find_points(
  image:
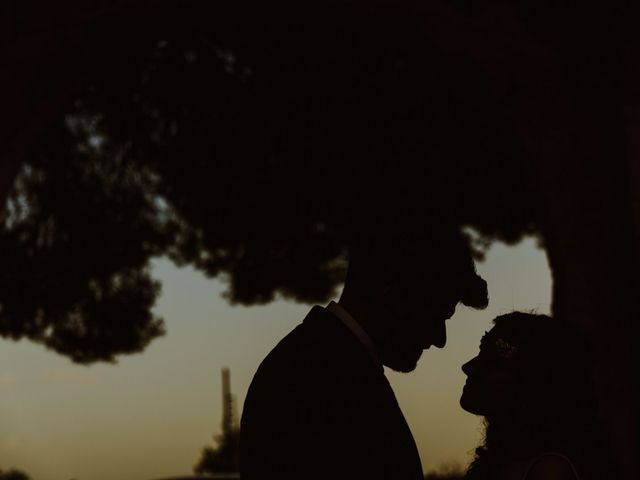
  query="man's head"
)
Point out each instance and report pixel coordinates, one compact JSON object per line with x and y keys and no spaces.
{"x":402,"y":286}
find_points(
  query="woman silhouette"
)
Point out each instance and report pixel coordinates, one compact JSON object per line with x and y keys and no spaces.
{"x":531,"y":382}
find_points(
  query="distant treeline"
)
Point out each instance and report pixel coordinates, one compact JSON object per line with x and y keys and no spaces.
{"x":446,"y":472}
{"x":13,"y":475}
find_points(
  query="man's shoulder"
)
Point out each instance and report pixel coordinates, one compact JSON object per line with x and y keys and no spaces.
{"x":308,"y":345}
{"x":318,"y":352}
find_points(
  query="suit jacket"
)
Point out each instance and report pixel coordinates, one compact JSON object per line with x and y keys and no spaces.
{"x":319,"y":408}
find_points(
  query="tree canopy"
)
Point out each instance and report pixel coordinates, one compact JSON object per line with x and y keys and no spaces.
{"x":253,"y":151}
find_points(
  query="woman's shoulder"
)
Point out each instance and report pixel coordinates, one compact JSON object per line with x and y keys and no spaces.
{"x":551,"y":466}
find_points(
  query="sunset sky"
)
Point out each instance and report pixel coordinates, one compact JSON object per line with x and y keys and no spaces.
{"x":149,"y":415}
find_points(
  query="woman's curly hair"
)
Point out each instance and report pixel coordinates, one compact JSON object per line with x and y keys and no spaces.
{"x":554,"y":408}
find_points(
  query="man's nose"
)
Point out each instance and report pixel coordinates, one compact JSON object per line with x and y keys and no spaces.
{"x":439,"y":339}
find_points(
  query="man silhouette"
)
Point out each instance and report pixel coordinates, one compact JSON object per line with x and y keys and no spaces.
{"x":320,"y":406}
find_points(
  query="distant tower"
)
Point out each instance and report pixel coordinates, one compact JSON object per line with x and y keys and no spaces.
{"x":228,"y":404}
{"x":224,"y":457}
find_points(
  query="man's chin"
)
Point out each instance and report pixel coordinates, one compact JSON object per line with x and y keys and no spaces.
{"x":404,"y":365}
{"x":402,"y":360}
{"x":403,"y":368}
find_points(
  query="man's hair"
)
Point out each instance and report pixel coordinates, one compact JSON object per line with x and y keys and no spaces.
{"x":420,"y":261}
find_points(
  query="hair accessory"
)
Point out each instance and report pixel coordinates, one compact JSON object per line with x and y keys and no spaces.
{"x":505,"y":349}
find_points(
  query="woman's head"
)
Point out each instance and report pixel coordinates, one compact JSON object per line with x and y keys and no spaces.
{"x":530,"y":365}
{"x":490,"y":388}
{"x":532,"y":383}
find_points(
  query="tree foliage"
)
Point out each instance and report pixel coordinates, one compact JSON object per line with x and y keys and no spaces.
{"x":252,"y":149}
{"x":223,"y":458}
{"x":13,"y":475}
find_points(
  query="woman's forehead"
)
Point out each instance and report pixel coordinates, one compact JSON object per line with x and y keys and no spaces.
{"x":489,"y":338}
{"x":494,"y":336}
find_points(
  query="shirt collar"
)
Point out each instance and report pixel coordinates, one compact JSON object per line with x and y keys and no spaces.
{"x":353,"y":325}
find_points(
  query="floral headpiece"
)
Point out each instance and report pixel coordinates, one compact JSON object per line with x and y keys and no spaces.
{"x":505,"y":349}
